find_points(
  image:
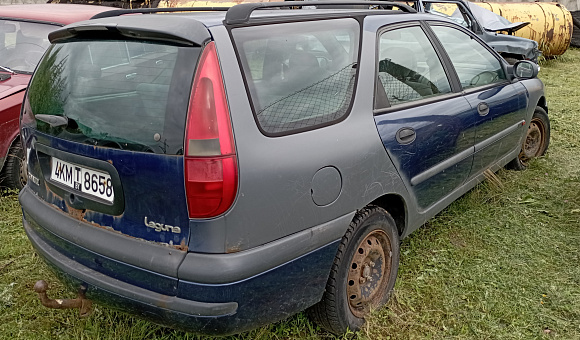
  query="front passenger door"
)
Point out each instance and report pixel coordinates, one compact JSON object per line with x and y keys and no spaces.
{"x":424,"y":122}
{"x":498,"y":106}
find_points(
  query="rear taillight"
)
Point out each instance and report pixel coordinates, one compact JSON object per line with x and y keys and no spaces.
{"x":211,"y":170}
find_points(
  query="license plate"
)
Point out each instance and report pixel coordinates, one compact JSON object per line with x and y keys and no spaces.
{"x":92,"y":182}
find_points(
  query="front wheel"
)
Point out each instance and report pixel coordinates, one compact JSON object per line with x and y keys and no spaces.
{"x":363,"y":273}
{"x":536,"y":141}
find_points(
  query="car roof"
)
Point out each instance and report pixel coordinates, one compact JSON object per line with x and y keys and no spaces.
{"x":60,"y":14}
{"x":192,"y":26}
{"x":216,"y":18}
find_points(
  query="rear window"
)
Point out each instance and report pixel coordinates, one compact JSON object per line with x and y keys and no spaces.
{"x":129,"y":95}
{"x":299,"y":75}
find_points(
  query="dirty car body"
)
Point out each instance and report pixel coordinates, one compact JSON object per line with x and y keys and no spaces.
{"x":23,"y":39}
{"x":201,"y":169}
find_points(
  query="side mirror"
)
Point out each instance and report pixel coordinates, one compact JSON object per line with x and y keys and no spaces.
{"x":525,"y":69}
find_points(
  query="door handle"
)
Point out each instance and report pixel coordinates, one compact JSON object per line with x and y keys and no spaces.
{"x":406,"y":135}
{"x":483,"y":109}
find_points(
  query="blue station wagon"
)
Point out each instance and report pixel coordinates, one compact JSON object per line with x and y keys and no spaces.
{"x":217,"y":170}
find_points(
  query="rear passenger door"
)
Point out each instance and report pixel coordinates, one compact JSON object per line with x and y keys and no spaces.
{"x":497,"y":105}
{"x":425,"y":124}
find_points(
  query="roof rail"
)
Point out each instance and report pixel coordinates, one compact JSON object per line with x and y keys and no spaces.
{"x":240,"y":14}
{"x":117,"y":12}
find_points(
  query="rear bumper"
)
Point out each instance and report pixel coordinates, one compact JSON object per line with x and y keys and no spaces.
{"x":103,"y":285}
{"x":206,"y":308}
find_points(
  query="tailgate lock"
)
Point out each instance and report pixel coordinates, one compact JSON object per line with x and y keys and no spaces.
{"x":81,"y":302}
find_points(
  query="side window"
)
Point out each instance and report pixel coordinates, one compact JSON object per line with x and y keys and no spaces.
{"x":475,"y":65}
{"x":408,"y":69}
{"x":299,"y":75}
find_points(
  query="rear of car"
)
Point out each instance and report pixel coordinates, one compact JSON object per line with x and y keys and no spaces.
{"x":134,"y":171}
{"x":103,"y":124}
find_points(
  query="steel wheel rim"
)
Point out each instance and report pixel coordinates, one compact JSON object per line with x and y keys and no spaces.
{"x":534,"y":141}
{"x":22,"y":173}
{"x":369,"y":272}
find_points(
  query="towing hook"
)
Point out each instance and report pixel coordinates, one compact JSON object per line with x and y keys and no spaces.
{"x":81,"y":302}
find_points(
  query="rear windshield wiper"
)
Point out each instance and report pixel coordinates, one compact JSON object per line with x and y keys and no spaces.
{"x":53,"y":120}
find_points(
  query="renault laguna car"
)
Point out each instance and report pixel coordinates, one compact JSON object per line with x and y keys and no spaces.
{"x":23,"y":39}
{"x":217,"y":170}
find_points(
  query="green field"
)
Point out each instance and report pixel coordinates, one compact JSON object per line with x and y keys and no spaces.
{"x":500,"y":263}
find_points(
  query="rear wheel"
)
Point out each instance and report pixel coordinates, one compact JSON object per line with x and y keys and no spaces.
{"x":536,"y":141}
{"x":14,"y":172}
{"x":363,"y":273}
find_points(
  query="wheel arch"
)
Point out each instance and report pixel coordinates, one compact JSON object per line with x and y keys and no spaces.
{"x":8,"y":148}
{"x":543,"y":104}
{"x":15,"y":139}
{"x":395,"y":205}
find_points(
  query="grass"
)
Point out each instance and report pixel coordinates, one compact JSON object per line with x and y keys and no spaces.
{"x":500,"y":263}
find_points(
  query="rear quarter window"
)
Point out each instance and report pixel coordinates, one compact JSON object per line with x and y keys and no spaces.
{"x":299,"y":75}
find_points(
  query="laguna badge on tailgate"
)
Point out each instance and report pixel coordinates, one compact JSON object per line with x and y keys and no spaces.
{"x":162,"y":227}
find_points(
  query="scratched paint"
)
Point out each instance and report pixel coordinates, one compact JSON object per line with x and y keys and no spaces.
{"x":145,"y":200}
{"x":550,"y":23}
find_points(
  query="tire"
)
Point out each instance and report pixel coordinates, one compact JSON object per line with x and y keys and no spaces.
{"x":536,"y":141}
{"x":14,"y":172}
{"x":369,"y":255}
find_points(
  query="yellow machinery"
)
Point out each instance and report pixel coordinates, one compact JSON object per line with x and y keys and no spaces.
{"x":550,"y":23}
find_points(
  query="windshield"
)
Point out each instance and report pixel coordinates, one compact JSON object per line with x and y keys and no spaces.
{"x":22,"y":44}
{"x":129,"y":95}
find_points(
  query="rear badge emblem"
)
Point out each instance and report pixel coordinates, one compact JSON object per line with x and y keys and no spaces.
{"x":33,"y":179}
{"x":162,"y":227}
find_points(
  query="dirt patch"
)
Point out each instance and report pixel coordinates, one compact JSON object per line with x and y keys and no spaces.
{"x":457,"y":240}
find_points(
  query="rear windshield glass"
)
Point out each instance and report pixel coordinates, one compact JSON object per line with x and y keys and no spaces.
{"x":299,"y":75}
{"x":129,"y":95}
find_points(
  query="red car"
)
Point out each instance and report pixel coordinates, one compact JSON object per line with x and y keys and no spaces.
{"x":23,"y":39}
